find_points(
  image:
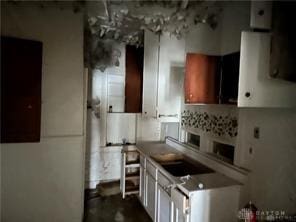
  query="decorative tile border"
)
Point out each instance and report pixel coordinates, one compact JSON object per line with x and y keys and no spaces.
{"x":217,"y":124}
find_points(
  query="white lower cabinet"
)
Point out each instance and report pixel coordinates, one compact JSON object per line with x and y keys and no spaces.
{"x":178,"y":216}
{"x":180,"y":204}
{"x":142,"y":195}
{"x":166,"y":202}
{"x":164,"y":205}
{"x":151,"y":194}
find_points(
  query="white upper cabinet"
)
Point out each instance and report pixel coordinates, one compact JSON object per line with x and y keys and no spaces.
{"x":164,"y":58}
{"x":171,"y":77}
{"x":261,"y":12}
{"x":256,"y":87}
{"x":150,"y":74}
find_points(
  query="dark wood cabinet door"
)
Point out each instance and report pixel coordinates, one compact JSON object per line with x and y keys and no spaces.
{"x":202,"y":79}
{"x":134,"y":79}
{"x":21,"y":68}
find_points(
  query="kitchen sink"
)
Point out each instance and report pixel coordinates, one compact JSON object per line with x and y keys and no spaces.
{"x":178,"y":165}
{"x":167,"y":157}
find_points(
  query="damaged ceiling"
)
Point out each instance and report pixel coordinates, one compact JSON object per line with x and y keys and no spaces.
{"x":125,"y":22}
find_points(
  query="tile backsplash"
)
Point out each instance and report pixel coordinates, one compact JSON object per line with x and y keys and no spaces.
{"x":217,"y":122}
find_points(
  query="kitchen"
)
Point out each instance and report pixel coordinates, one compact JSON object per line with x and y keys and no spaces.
{"x":191,"y":118}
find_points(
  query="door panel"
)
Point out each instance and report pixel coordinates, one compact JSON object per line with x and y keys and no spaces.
{"x":150,"y":74}
{"x":164,"y":206}
{"x":151,"y":196}
{"x":21,"y":72}
{"x":134,"y":79}
{"x":202,"y":79}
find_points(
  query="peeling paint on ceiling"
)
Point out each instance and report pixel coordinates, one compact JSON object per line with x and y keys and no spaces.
{"x":125,"y":22}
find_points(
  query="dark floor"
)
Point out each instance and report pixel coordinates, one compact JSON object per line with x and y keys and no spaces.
{"x":100,"y":207}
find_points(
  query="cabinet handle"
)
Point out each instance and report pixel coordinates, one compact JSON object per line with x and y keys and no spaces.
{"x":170,"y":115}
{"x":190,"y":95}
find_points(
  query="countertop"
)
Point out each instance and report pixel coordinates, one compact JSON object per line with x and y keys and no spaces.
{"x":195,"y":182}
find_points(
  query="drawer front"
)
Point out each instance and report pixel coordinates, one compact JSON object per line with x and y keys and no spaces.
{"x":151,"y":169}
{"x":163,"y":181}
{"x":142,"y":161}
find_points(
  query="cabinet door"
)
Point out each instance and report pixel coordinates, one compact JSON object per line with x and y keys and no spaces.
{"x":21,"y":72}
{"x":171,"y":77}
{"x":201,"y":79}
{"x":229,"y":78}
{"x":133,"y":79}
{"x":142,"y":186}
{"x":150,"y":74}
{"x":256,"y":88}
{"x":163,"y":205}
{"x":151,"y":196}
{"x":178,"y":216}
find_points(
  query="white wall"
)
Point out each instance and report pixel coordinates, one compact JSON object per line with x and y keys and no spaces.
{"x":44,"y":181}
{"x":201,"y":38}
{"x":235,"y":18}
{"x":272,"y":181}
{"x":225,"y":38}
{"x":103,"y":163}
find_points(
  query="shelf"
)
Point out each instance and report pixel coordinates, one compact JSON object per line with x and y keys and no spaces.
{"x":132,"y":192}
{"x":132,"y":177}
{"x":131,"y":187}
{"x":132,"y":165}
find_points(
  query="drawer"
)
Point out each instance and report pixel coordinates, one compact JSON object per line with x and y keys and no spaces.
{"x":142,"y":161}
{"x":163,"y":181}
{"x":151,"y":169}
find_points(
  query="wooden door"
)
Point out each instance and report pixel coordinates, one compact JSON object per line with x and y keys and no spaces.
{"x":21,"y":69}
{"x":201,"y":79}
{"x":134,"y":79}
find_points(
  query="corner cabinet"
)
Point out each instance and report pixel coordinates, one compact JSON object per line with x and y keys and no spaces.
{"x":256,"y":87}
{"x":202,"y":79}
{"x":164,"y":58}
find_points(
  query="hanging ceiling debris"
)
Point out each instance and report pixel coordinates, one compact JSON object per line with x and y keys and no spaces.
{"x":125,"y":22}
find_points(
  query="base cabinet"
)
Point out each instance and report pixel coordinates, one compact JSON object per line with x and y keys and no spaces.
{"x":178,"y":216}
{"x":165,"y":202}
{"x":151,"y":196}
{"x":142,"y":195}
{"x":164,"y":205}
